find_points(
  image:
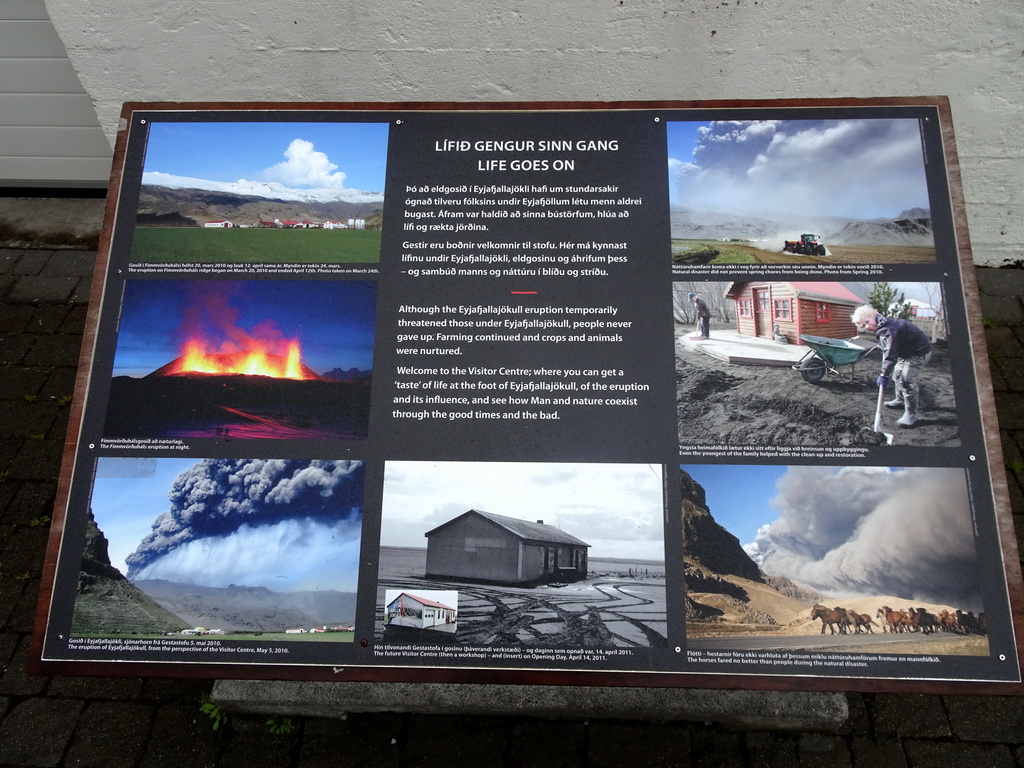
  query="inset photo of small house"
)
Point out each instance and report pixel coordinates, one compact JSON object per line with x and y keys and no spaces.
{"x":784,"y":363}
{"x":539,"y":554}
{"x":407,"y":614}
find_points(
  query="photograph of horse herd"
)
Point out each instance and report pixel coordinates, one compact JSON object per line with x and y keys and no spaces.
{"x":844,"y":621}
{"x":817,"y":559}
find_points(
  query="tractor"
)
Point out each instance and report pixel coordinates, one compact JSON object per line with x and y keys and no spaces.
{"x":808,"y":245}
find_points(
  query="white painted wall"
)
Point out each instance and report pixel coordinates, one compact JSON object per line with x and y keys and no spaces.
{"x":48,"y":130}
{"x":593,"y":50}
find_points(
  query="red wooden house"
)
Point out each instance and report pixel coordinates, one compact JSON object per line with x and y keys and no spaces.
{"x":813,"y":308}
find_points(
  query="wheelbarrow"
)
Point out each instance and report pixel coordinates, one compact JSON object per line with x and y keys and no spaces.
{"x":828,"y":356}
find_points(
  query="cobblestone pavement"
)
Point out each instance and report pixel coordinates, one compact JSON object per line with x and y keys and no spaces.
{"x":147,"y":723}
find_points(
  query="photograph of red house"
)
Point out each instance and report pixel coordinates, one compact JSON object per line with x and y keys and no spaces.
{"x":815,"y":308}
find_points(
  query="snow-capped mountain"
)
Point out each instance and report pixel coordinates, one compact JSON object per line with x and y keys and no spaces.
{"x":273,"y":190}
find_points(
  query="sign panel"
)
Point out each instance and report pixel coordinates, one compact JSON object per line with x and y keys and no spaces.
{"x":648,"y":394}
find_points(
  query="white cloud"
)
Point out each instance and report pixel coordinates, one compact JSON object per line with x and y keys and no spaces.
{"x":304,"y":166}
{"x":291,"y":555}
{"x":858,"y":169}
{"x":616,"y":508}
{"x":872,"y":531}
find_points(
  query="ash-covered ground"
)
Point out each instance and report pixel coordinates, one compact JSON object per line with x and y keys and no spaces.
{"x":619,"y":605}
{"x":720,"y":403}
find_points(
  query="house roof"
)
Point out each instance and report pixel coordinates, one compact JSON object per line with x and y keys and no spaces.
{"x":834,"y":292}
{"x":521,"y":529}
{"x":422,"y":601}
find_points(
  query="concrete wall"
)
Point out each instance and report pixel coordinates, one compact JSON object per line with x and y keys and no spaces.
{"x":471,"y":50}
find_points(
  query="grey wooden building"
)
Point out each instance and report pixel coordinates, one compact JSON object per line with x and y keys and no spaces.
{"x":481,"y":546}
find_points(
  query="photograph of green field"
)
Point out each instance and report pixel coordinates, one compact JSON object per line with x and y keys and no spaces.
{"x":178,"y":245}
{"x":324,"y":636}
{"x":696,"y":252}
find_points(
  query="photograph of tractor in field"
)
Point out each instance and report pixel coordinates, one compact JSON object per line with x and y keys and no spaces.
{"x":807,"y":245}
{"x":741,"y":192}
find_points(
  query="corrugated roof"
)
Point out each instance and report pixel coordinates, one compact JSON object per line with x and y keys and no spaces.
{"x":523,"y":529}
{"x":422,"y":601}
{"x":827,"y":290}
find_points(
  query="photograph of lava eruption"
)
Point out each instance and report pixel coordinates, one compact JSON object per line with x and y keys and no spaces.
{"x":243,"y":359}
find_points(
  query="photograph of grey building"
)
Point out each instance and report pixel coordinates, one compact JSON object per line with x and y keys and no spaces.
{"x":541,"y":554}
{"x":486,"y":547}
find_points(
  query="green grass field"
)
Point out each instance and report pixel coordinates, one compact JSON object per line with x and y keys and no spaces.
{"x":708,"y":252}
{"x":167,"y":245}
{"x":261,"y":637}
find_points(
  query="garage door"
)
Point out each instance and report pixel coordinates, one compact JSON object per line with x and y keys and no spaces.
{"x":49,"y":134}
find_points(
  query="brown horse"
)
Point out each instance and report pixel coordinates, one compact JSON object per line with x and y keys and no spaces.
{"x":861,"y":623}
{"x":830,"y":618}
{"x":896,"y":621}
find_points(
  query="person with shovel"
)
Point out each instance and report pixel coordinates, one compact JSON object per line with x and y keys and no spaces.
{"x":703,"y":317}
{"x":906,"y":349}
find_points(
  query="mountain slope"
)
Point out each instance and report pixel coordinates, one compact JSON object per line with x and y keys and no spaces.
{"x":107,"y":602}
{"x":176,"y":206}
{"x":257,"y":609}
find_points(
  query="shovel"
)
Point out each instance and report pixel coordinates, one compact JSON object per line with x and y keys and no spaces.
{"x":878,"y":416}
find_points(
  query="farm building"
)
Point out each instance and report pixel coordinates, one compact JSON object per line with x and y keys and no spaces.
{"x":813,"y":308}
{"x":919,"y":310}
{"x":485,"y":547}
{"x":418,"y":612}
{"x":219,"y":224}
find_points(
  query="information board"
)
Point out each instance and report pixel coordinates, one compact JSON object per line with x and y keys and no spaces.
{"x":641,"y":394}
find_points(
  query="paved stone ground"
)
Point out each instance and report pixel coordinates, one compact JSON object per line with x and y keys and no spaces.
{"x":146,"y":723}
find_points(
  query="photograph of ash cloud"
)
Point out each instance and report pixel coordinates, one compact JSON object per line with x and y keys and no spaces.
{"x":859,"y":559}
{"x":241,"y":548}
{"x":243,"y":359}
{"x":846,"y":191}
{"x":545,"y":555}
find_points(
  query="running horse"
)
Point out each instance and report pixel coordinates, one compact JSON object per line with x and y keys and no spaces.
{"x":830,"y":618}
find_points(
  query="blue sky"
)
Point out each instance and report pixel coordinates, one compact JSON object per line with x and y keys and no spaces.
{"x":333,"y":320}
{"x":127,"y":496}
{"x":739,"y":495}
{"x":232,"y":151}
{"x":860,"y":169}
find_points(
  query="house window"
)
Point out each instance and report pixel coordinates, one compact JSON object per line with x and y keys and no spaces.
{"x":821,"y":312}
{"x":762,"y":301}
{"x":783,"y":309}
{"x":746,"y":308}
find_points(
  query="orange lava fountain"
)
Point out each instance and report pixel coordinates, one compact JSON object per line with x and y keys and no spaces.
{"x":256,"y":361}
